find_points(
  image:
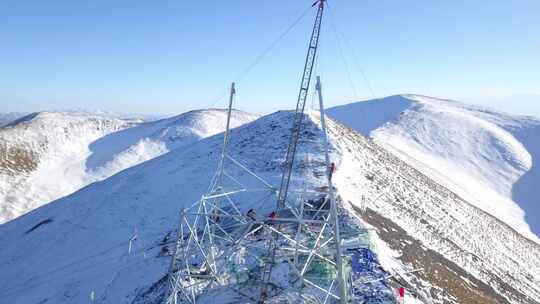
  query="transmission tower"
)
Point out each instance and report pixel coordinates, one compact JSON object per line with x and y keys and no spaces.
{"x":301,"y":104}
{"x":282,"y":206}
{"x":232,"y":250}
{"x":216,"y":247}
{"x":309,"y":226}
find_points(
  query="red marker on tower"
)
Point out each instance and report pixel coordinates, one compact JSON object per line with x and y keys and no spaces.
{"x":402,"y":295}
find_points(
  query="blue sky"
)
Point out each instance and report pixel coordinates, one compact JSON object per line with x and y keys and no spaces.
{"x":172,"y":56}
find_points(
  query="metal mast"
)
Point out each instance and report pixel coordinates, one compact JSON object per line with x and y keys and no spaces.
{"x":226,"y":137}
{"x":293,"y":142}
{"x":300,"y":105}
{"x":198,"y":261}
{"x":331,"y":194}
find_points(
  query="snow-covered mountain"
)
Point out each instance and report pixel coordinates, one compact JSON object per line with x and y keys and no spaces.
{"x":6,"y":118}
{"x":41,"y":157}
{"x":488,"y":158}
{"x":120,"y":150}
{"x":77,"y":247}
{"x":48,"y":155}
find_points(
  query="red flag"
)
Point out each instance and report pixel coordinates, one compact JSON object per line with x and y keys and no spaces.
{"x":402,"y":292}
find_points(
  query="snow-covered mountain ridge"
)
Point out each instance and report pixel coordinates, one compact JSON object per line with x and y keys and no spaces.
{"x":40,"y":157}
{"x":6,"y":118}
{"x":64,"y":251}
{"x":488,"y":158}
{"x":430,"y":227}
{"x":48,"y":155}
{"x":120,"y":150}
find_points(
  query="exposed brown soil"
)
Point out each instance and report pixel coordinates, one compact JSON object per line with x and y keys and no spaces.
{"x":17,"y":160}
{"x":452,"y":281}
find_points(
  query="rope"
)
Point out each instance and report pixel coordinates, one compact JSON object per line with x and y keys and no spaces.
{"x":242,"y":74}
{"x":272,"y":45}
{"x":352,"y":52}
{"x":343,"y":58}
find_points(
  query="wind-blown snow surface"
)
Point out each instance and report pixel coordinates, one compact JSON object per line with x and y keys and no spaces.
{"x":64,"y":251}
{"x":489,"y":158}
{"x":48,"y":155}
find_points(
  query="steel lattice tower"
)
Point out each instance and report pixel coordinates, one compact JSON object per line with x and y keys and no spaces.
{"x":293,"y":256}
{"x":301,"y":104}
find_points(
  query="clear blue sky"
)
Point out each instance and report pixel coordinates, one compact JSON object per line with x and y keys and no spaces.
{"x":172,"y":56}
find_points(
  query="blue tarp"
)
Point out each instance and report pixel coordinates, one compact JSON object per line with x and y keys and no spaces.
{"x":362,"y":260}
{"x":365,"y":267}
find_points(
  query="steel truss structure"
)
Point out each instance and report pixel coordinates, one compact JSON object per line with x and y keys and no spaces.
{"x":222,"y":248}
{"x":289,"y":255}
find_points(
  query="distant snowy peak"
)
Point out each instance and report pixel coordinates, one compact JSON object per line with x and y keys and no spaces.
{"x":114,"y":114}
{"x":130,"y":147}
{"x":485,"y":156}
{"x":43,"y":132}
{"x":204,"y":123}
{"x":57,"y":118}
{"x":6,"y":118}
